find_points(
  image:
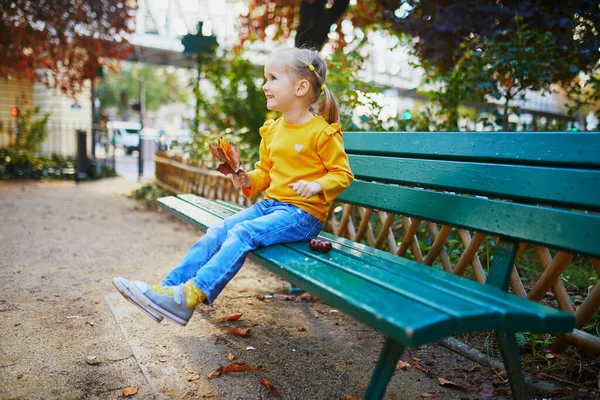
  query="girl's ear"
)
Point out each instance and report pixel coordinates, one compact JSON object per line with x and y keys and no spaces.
{"x":302,"y":87}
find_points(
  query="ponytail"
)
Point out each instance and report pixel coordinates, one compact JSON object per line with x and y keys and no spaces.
{"x":328,"y":107}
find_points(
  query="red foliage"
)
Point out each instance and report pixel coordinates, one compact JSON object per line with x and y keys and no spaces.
{"x":61,"y":43}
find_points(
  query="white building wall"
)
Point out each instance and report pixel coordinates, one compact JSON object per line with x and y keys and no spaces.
{"x":67,"y":115}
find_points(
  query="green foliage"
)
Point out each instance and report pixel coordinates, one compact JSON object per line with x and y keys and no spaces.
{"x":31,"y":133}
{"x":501,"y":67}
{"x":508,"y":64}
{"x":583,"y":93}
{"x":352,"y":92}
{"x":149,"y":194}
{"x":237,"y":108}
{"x":22,"y":164}
{"x":161,"y":86}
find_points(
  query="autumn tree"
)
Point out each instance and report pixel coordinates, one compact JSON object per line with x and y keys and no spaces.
{"x":60,"y":43}
{"x":441,"y":26}
{"x":309,"y":21}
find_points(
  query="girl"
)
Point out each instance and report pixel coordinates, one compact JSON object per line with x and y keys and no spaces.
{"x":302,"y":168}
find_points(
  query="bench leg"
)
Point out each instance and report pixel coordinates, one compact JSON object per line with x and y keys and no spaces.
{"x":512,"y":362}
{"x":388,"y":359}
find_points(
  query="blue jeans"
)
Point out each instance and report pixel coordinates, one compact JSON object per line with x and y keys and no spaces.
{"x":215,"y":259}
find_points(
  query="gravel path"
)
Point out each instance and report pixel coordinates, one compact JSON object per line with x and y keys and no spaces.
{"x":66,"y":334}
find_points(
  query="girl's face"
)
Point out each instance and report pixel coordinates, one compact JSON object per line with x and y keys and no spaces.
{"x":280,"y":87}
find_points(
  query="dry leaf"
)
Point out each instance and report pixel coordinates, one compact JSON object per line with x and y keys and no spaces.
{"x":130,"y":391}
{"x":267,"y":383}
{"x":216,"y":372}
{"x":402,"y":365}
{"x":350,"y":397}
{"x":193,"y":377}
{"x":447,"y":383}
{"x":237,"y":331}
{"x":56,"y":295}
{"x":235,"y":367}
{"x":240,"y":367}
{"x":307,"y":297}
{"x":233,"y":317}
{"x":230,"y":357}
{"x":279,"y":296}
{"x":226,"y":153}
{"x":420,"y":367}
{"x":301,"y":329}
{"x":348,"y":362}
{"x":81,"y":255}
{"x":429,"y":395}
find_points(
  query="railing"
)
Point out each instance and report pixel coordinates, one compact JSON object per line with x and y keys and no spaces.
{"x":457,"y":251}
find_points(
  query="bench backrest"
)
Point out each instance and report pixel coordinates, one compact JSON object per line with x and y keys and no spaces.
{"x":542,"y":188}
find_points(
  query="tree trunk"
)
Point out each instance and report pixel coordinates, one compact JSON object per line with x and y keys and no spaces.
{"x":316,"y":21}
{"x":505,"y":124}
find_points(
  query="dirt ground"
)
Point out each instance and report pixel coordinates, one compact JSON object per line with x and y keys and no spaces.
{"x":65,"y":333}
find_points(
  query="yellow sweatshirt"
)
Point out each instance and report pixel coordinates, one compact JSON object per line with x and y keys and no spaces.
{"x":312,"y":151}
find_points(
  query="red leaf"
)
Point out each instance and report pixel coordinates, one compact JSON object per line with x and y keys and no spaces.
{"x":240,"y":367}
{"x":228,"y":154}
{"x":267,"y":383}
{"x":216,"y":372}
{"x":225,"y":169}
{"x":447,"y":383}
{"x":233,"y":317}
{"x":237,"y":331}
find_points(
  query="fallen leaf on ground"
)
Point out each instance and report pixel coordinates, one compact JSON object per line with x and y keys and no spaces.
{"x":130,"y":391}
{"x":240,"y":367}
{"x":420,"y":367}
{"x":469,"y":368}
{"x":193,"y":377}
{"x":267,"y":383}
{"x":301,"y":329}
{"x":429,"y":395}
{"x":233,"y":317}
{"x":230,"y":357}
{"x":279,"y":296}
{"x":450,"y":384}
{"x":350,"y":397}
{"x":81,"y":255}
{"x":56,"y":295}
{"x":487,"y":393}
{"x":93,"y":361}
{"x":402,"y":365}
{"x":237,"y":331}
{"x":216,"y":372}
{"x":307,"y":297}
{"x":348,"y":362}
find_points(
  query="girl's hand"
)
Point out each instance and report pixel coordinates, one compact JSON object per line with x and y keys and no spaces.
{"x":241,"y":179}
{"x":306,"y":189}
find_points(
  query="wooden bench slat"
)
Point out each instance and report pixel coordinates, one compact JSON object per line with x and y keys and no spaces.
{"x":438,"y":311}
{"x":569,"y":187}
{"x":568,"y":149}
{"x":551,"y":227}
{"x":436,"y":280}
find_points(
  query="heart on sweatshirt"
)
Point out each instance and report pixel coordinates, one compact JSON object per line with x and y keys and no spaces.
{"x":298,"y":147}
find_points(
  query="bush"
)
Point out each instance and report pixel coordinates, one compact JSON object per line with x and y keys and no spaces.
{"x":21,"y":164}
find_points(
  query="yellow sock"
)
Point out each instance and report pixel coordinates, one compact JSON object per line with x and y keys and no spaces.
{"x":193,"y":295}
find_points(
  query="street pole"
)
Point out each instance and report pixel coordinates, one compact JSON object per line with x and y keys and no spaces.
{"x":142,"y":107}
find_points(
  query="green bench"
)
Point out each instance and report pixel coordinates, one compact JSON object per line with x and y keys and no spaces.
{"x":541,"y":188}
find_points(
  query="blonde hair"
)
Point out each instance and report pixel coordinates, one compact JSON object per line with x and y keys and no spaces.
{"x":309,"y":64}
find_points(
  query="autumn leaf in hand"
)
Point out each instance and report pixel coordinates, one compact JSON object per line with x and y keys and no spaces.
{"x":228,"y":154}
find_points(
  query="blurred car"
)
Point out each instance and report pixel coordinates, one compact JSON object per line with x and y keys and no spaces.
{"x":125,"y":134}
